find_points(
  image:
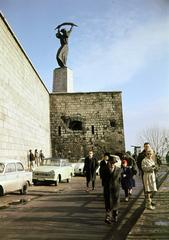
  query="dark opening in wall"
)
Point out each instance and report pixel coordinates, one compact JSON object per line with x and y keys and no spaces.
{"x":59,"y":130}
{"x":75,"y":125}
{"x":92,"y":129}
{"x":113,"y":123}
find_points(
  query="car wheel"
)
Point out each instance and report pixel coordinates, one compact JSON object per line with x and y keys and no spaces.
{"x":1,"y":191}
{"x":24,"y":189}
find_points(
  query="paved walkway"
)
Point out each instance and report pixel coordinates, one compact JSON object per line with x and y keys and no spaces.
{"x":74,"y":214}
{"x":154,"y":224}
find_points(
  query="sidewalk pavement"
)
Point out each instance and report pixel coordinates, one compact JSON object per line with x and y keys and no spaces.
{"x":154,"y":224}
{"x":150,"y":224}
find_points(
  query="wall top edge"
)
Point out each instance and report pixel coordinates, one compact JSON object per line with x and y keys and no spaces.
{"x":74,"y":93}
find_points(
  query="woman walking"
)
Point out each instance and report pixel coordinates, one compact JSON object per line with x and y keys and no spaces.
{"x":149,"y":179}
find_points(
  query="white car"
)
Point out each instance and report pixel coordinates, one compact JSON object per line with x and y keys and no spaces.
{"x":118,"y":163}
{"x":53,"y":170}
{"x":78,"y":168}
{"x":98,"y":169}
{"x":13,"y":177}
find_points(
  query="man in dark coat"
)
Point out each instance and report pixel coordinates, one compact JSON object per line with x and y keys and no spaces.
{"x":90,"y":167}
{"x":141,"y":156}
{"x":103,"y":163}
{"x":111,"y":182}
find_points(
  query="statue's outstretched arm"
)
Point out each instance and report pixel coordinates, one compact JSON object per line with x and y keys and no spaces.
{"x":69,"y":31}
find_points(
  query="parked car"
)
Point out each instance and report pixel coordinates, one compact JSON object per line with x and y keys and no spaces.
{"x":13,"y":177}
{"x":98,"y":169}
{"x":53,"y":170}
{"x":118,"y":163}
{"x":73,"y":164}
{"x":78,"y":168}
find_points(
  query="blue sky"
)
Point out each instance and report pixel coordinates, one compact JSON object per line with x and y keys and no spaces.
{"x":118,"y":45}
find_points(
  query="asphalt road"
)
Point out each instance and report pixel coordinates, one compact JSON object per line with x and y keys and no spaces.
{"x":63,"y":212}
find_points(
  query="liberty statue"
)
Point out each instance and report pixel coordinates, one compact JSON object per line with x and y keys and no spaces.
{"x":63,"y":35}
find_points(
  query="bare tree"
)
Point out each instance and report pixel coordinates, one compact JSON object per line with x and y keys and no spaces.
{"x":158,"y":139}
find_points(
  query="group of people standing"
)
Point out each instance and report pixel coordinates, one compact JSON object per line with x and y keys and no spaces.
{"x":114,"y":178}
{"x":35,"y":159}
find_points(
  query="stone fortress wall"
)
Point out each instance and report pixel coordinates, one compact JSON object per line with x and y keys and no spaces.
{"x":83,"y":121}
{"x":24,"y":101}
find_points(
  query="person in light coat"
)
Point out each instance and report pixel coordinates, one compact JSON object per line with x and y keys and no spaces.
{"x":149,"y":178}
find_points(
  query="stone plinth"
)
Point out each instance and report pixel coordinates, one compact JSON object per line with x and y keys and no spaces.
{"x":62,"y":80}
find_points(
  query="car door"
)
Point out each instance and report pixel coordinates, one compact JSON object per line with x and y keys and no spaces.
{"x":11,"y":183}
{"x":63,"y":169}
{"x":67,"y":170}
{"x":20,"y":174}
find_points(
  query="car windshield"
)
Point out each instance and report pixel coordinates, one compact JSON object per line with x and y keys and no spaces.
{"x":51,"y":162}
{"x":2,"y":166}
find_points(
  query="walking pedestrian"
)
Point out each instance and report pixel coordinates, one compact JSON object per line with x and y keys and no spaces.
{"x":111,"y":182}
{"x":141,"y":156}
{"x":131,"y":163}
{"x":149,"y":179}
{"x":103,"y":163}
{"x":89,"y":170}
{"x":126,"y":179}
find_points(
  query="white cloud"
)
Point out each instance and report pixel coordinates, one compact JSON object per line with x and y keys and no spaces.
{"x":118,"y":62}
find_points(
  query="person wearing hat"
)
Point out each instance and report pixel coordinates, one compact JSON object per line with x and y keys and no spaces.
{"x":149,"y":178}
{"x":126,"y":179}
{"x":103,"y":163}
{"x":89,"y":170}
{"x":111,"y":183}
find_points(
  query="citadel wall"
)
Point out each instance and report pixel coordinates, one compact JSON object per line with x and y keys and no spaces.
{"x":81,"y":121}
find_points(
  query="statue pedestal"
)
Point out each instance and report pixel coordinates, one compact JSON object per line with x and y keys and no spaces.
{"x":62,"y":80}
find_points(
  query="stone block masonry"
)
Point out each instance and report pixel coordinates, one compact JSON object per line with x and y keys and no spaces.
{"x":81,"y":121}
{"x":24,"y":101}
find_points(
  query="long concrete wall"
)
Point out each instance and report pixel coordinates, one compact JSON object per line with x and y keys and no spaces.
{"x":24,"y":101}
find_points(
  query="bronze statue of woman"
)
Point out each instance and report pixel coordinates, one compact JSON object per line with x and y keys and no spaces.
{"x":63,"y":35}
